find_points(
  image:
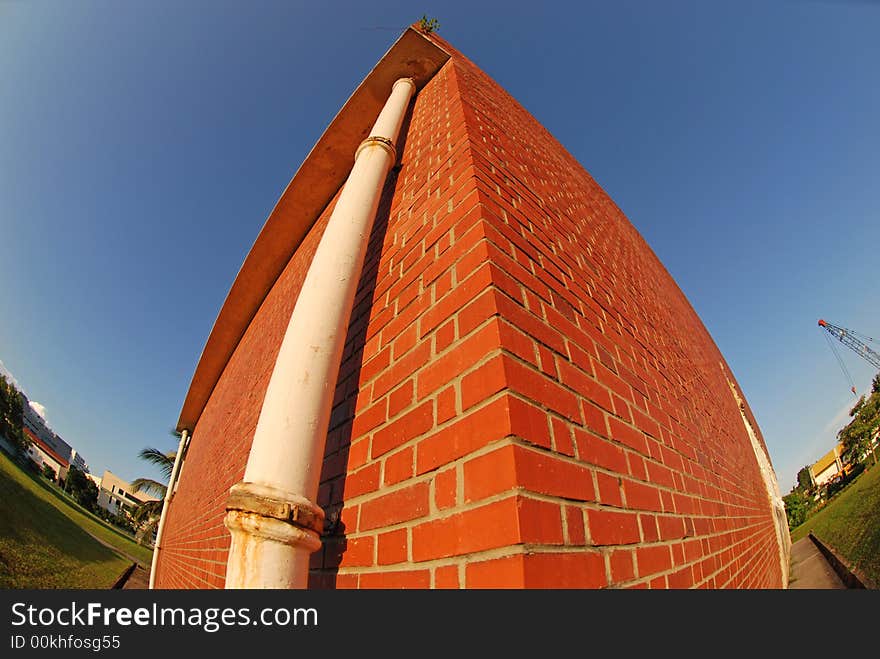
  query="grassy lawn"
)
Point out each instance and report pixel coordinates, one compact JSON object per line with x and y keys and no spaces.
{"x":98,"y":527}
{"x":43,"y":539}
{"x":851,"y":524}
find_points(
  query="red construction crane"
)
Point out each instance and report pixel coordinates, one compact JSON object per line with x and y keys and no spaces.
{"x":855,"y":342}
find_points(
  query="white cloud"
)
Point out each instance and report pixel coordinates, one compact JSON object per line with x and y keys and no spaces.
{"x":39,"y":408}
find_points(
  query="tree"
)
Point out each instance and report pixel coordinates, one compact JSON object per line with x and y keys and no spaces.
{"x":4,"y":405}
{"x":12,"y":416}
{"x":146,"y":516}
{"x":805,"y":480}
{"x":428,"y":25}
{"x":146,"y":519}
{"x":856,"y":436}
{"x":165,"y":463}
{"x":48,"y":472}
{"x":797,"y":507}
{"x":81,"y":487}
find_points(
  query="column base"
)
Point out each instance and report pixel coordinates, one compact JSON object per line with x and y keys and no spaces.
{"x":273,"y":534}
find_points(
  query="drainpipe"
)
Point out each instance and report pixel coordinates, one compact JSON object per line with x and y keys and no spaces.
{"x":272,"y":515}
{"x":169,"y":494}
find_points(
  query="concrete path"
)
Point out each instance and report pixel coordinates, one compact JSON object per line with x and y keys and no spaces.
{"x":113,"y":547}
{"x":810,"y":570}
{"x":139,"y":579}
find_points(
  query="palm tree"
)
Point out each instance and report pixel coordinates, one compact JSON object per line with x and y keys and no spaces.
{"x":147,"y":515}
{"x":165,"y":463}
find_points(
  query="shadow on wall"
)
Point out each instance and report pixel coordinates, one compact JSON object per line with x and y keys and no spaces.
{"x":325,"y":562}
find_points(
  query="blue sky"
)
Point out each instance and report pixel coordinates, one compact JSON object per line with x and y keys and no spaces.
{"x":142,"y":146}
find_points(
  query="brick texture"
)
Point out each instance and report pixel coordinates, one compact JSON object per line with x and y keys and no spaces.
{"x":527,"y":399}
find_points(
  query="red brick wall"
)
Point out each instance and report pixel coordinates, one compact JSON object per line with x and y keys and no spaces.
{"x":196,"y":542}
{"x":634,"y":450}
{"x":526,"y":398}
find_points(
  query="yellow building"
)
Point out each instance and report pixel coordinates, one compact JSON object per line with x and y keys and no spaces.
{"x":832,"y":464}
{"x":828,"y":466}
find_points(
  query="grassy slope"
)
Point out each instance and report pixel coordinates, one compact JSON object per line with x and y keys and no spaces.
{"x":851,"y":524}
{"x":98,"y":527}
{"x":42,"y":541}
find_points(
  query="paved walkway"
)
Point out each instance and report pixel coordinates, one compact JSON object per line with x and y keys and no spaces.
{"x":113,"y":547}
{"x":138,"y":580}
{"x":809,"y":569}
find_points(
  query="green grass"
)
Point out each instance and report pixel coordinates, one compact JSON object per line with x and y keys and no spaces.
{"x":100,"y":528}
{"x":43,"y":538}
{"x":851,"y":524}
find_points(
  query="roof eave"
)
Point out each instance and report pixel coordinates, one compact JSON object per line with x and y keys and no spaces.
{"x":313,"y":186}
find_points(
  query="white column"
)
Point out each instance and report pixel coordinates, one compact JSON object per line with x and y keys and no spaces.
{"x":271,"y":514}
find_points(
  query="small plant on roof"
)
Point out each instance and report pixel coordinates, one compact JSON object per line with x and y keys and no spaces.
{"x":428,"y":25}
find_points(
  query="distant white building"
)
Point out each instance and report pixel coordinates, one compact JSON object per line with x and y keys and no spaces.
{"x":115,"y":495}
{"x":47,"y":446}
{"x":78,"y":460}
{"x":44,"y":456}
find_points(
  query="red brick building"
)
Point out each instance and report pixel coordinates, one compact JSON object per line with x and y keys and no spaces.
{"x":526,"y":398}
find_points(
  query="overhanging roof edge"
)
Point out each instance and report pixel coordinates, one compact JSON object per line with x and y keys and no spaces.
{"x":312,"y":187}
